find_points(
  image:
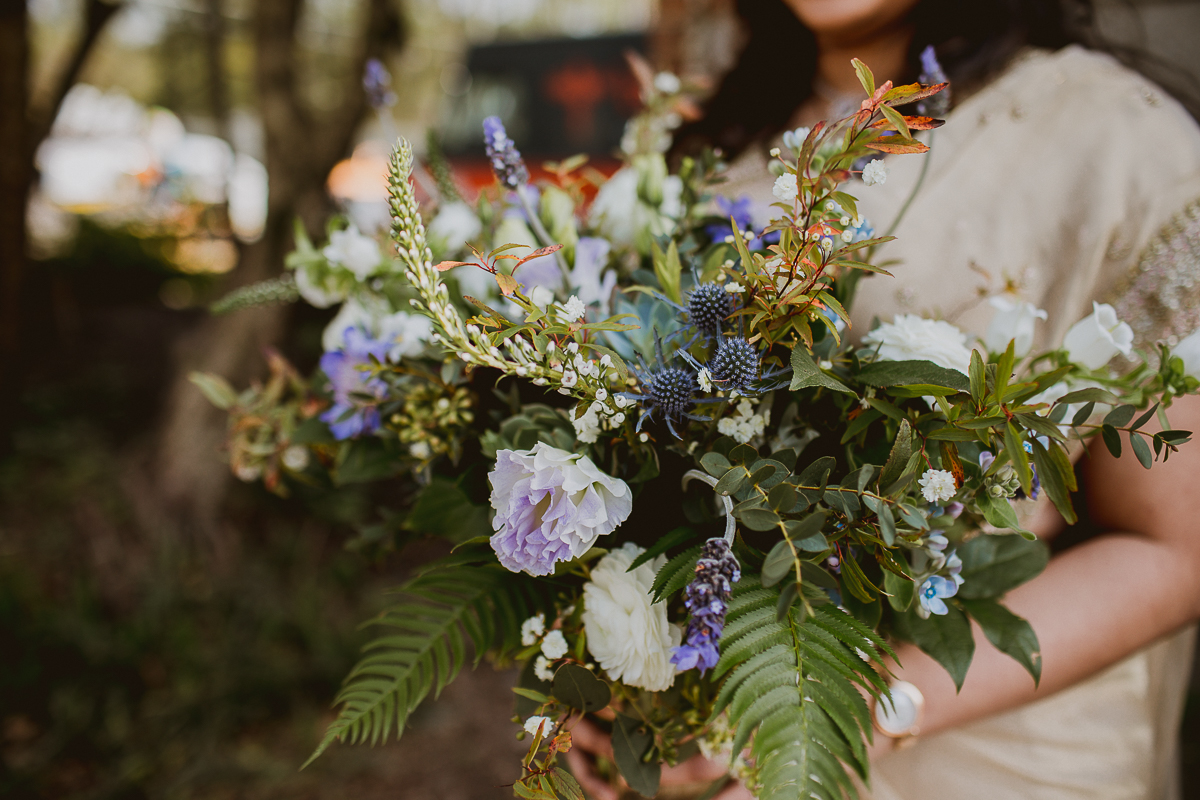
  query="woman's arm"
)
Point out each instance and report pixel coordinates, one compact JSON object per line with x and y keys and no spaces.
{"x":1097,"y":602}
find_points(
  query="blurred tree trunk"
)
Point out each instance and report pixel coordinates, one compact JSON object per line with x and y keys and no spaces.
{"x":191,"y":475}
{"x":24,"y":123}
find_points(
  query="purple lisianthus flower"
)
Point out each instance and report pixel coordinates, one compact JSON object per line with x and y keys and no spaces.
{"x":933,"y":593}
{"x":741,"y":210}
{"x":353,"y":412}
{"x":707,"y":598}
{"x":551,"y":506}
{"x":955,"y":509}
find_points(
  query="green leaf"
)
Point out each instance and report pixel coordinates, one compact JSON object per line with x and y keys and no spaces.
{"x":1112,"y":440}
{"x":565,"y":784}
{"x":672,"y":539}
{"x":215,"y":389}
{"x":978,"y":377}
{"x":675,"y":574}
{"x":995,"y":564}
{"x":579,"y":688}
{"x":1089,"y":395}
{"x":1082,"y":415}
{"x":1141,"y":449}
{"x":945,"y":638}
{"x":897,"y":120}
{"x":1120,"y":416}
{"x":901,"y":592}
{"x":1014,"y":446}
{"x":731,"y":482}
{"x":898,"y":373}
{"x":777,"y":564}
{"x":759,"y":519}
{"x":806,"y":533}
{"x":901,"y":451}
{"x":630,"y":744}
{"x":1009,"y":633}
{"x":1144,"y":418}
{"x":668,"y":269}
{"x":715,"y":464}
{"x":805,"y":373}
{"x":999,"y":512}
{"x":864,"y":76}
{"x":1057,"y":477}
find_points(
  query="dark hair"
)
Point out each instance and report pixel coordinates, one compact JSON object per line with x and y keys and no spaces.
{"x":974,"y":40}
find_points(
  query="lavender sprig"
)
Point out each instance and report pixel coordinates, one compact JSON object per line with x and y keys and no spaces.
{"x":502,"y":152}
{"x":931,"y":73}
{"x":707,"y":598}
{"x":377,"y":83}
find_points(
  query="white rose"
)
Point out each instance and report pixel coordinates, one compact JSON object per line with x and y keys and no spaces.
{"x":1012,"y":322}
{"x":913,"y":338}
{"x":357,"y":253}
{"x":627,"y":633}
{"x":1094,"y":340}
{"x":1189,"y":351}
{"x":454,"y":226}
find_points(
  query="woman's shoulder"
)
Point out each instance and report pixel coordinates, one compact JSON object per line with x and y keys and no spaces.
{"x":1103,"y":101}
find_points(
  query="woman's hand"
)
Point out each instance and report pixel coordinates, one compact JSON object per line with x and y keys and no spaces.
{"x":588,"y":741}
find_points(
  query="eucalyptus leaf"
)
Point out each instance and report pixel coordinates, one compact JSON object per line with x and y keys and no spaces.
{"x":579,"y":688}
{"x":630,"y":743}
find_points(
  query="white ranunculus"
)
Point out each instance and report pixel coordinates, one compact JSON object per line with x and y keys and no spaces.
{"x":1013,"y":322}
{"x":1189,"y":351}
{"x":627,"y":633}
{"x":357,"y":253}
{"x":454,"y":226}
{"x":913,"y":338}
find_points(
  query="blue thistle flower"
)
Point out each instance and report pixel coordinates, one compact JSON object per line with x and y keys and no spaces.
{"x":709,"y":305}
{"x":735,"y":364}
{"x":667,"y":389}
{"x":707,"y":599}
{"x":503,"y":154}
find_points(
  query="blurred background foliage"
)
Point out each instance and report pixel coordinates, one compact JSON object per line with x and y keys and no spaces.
{"x":167,"y":632}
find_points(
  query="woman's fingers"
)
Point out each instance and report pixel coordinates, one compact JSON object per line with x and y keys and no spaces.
{"x":694,"y":770}
{"x":588,"y":737}
{"x":585,"y":772}
{"x":734,"y":791}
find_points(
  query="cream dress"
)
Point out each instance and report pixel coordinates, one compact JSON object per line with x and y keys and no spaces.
{"x":1074,"y":180}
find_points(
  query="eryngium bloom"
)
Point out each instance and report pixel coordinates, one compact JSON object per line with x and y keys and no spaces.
{"x":551,"y":506}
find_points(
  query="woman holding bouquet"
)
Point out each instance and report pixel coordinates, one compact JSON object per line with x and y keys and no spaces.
{"x":1061,"y":179}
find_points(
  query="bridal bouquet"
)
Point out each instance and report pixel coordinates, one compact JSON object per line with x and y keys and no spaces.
{"x":681,"y":496}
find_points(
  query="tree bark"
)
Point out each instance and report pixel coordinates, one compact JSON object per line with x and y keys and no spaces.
{"x":192,"y":477}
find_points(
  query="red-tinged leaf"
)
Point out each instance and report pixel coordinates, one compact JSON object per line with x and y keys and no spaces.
{"x":903,"y":95}
{"x":445,"y":265}
{"x":897,"y":144}
{"x":914,"y":123}
{"x":877,"y":97}
{"x":541,"y":251}
{"x":865,"y":267}
{"x":508,"y":284}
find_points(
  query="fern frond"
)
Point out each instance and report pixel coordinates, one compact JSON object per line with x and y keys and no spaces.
{"x":791,"y":691}
{"x":426,"y":646}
